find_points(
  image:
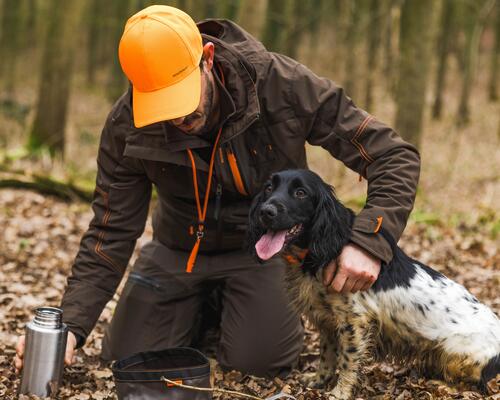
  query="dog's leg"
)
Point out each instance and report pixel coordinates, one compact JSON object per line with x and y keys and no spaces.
{"x":353,"y":333}
{"x":324,"y":377}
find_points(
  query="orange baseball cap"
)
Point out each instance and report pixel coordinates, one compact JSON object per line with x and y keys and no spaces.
{"x":160,"y":52}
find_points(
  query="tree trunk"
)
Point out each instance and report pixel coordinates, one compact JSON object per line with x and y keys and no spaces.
{"x":356,"y":32}
{"x":415,"y":51}
{"x":228,"y":9}
{"x":209,"y":9}
{"x":94,"y":23}
{"x":316,"y":17}
{"x":275,"y":24}
{"x":474,"y":23}
{"x":373,"y":50}
{"x":30,"y":23}
{"x":9,"y":43}
{"x":117,"y":82}
{"x":389,"y":31}
{"x":56,"y":73}
{"x":296,"y":24}
{"x":445,"y":37}
{"x":495,"y":65}
{"x":251,"y":16}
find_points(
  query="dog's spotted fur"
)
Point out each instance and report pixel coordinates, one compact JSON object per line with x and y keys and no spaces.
{"x":412,"y":313}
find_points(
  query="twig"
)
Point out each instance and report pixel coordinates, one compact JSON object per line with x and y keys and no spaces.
{"x":248,"y":396}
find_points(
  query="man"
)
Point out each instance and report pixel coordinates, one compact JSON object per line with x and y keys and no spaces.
{"x":208,"y":118}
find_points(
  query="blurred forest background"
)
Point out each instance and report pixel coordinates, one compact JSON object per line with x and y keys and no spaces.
{"x":430,"y":68}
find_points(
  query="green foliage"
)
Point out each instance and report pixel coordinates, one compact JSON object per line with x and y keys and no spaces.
{"x":490,"y":219}
{"x":356,"y":203}
{"x":425,"y":217}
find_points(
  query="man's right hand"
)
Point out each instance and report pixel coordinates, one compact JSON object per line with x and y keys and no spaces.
{"x":68,"y":356}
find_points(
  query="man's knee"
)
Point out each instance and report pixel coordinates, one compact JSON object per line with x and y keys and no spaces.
{"x":147,"y":318}
{"x":267,"y":357}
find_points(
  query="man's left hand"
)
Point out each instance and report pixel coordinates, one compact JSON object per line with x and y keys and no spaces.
{"x":355,"y":269}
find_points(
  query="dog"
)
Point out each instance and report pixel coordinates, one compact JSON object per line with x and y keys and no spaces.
{"x":412,"y":313}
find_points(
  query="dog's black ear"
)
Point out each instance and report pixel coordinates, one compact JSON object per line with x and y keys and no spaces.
{"x":331,"y":227}
{"x":254,"y":232}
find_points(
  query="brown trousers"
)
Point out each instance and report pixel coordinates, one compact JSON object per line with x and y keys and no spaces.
{"x":160,"y":304}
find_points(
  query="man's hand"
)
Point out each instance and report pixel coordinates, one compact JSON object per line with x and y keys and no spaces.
{"x":356,"y":270}
{"x":68,"y":356}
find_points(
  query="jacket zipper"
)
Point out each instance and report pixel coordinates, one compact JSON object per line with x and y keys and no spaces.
{"x":142,"y":280}
{"x":218,"y":195}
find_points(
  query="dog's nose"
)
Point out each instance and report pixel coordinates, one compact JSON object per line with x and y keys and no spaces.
{"x":268,"y":211}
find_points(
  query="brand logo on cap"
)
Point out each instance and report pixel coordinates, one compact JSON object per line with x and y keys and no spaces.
{"x":180,"y":72}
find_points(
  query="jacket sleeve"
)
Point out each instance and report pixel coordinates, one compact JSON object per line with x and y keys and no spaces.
{"x":367,"y":146}
{"x":120,"y":206}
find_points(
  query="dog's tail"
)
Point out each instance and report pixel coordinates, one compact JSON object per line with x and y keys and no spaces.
{"x":490,"y":371}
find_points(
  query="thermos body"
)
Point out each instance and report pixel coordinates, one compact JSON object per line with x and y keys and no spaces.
{"x":45,"y":346}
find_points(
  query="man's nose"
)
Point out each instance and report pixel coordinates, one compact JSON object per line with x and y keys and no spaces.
{"x":178,"y":121}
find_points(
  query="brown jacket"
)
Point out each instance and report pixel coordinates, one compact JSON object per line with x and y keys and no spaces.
{"x":271,"y":106}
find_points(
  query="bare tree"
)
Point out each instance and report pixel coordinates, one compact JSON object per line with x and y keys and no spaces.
{"x":250,"y":15}
{"x":375,"y":14}
{"x":275,"y":24}
{"x":474,"y":21}
{"x":356,"y":33}
{"x":296,"y":24}
{"x":117,"y":81}
{"x":9,"y":43}
{"x":228,"y":9}
{"x":495,"y":55}
{"x":415,"y":51}
{"x":444,"y":45}
{"x":56,"y":73}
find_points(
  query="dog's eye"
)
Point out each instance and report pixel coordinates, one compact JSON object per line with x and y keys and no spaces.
{"x":268,"y":188}
{"x":300,"y":193}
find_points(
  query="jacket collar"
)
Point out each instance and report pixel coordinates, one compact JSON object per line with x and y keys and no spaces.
{"x":239,"y":101}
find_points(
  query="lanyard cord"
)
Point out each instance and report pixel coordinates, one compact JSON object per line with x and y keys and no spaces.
{"x":202,"y":212}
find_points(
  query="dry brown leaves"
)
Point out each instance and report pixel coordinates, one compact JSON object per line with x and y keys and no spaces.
{"x":41,"y":237}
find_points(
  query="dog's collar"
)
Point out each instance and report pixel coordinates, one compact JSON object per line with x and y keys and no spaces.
{"x":295,"y":255}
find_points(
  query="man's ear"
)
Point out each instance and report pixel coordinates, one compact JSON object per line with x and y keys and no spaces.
{"x":208,"y":55}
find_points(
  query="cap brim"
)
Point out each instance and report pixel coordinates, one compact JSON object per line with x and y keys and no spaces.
{"x":168,"y":103}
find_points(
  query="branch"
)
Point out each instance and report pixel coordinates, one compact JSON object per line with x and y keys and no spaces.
{"x":43,"y":184}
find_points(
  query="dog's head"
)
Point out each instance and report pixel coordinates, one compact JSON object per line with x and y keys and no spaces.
{"x":297,"y":207}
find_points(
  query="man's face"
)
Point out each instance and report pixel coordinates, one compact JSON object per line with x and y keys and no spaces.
{"x":198,"y":121}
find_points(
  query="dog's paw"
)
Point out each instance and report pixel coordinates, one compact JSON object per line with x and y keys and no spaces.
{"x":310,"y":380}
{"x":314,"y":380}
{"x":339,"y":394}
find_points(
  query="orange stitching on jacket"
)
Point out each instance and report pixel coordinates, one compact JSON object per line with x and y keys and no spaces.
{"x":358,"y":134}
{"x":104,"y":222}
{"x":358,"y":145}
{"x":103,"y":194}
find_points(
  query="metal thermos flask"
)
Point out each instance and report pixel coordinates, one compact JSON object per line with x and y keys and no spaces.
{"x":44,"y":350}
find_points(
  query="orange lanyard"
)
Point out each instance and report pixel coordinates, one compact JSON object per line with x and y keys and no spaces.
{"x":202,"y":212}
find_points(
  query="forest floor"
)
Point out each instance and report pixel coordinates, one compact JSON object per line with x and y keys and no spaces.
{"x":41,"y":236}
{"x":455,"y":228}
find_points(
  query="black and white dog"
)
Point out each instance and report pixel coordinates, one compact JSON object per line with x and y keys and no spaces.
{"x":411,"y":313}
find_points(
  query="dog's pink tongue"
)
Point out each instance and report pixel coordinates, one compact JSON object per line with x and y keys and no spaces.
{"x":269,"y":244}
